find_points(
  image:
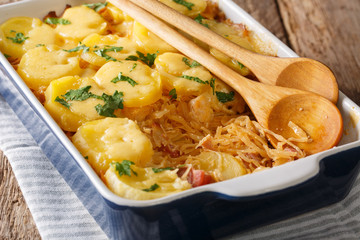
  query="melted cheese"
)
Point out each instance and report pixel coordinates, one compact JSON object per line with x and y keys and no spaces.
{"x":132,"y":187}
{"x":112,"y":139}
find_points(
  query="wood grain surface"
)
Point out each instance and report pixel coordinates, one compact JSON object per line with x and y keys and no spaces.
{"x":326,"y":30}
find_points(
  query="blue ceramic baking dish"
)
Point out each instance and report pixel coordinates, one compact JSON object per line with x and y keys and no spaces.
{"x":204,"y":212}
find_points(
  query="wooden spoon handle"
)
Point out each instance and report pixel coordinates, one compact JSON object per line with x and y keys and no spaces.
{"x":198,"y":31}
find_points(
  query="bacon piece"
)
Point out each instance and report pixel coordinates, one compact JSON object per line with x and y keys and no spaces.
{"x":206,"y":143}
{"x":198,"y":178}
{"x":195,"y":177}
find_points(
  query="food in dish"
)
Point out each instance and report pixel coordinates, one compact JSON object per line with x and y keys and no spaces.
{"x":149,"y":120}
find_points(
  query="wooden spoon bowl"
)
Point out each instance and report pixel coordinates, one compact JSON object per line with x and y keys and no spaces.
{"x":313,"y":114}
{"x":308,"y":75}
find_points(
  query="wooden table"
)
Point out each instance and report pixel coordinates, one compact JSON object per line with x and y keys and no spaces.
{"x":326,"y":30}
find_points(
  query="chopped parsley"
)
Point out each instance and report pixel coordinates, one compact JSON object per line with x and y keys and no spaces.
{"x":133,"y":67}
{"x":173,"y":94}
{"x":80,"y":94}
{"x":55,"y":21}
{"x":86,"y":157}
{"x":7,"y":56}
{"x":195,"y":79}
{"x":111,"y":104}
{"x":149,"y":59}
{"x":123,"y":78}
{"x":158,"y":170}
{"x":102,"y":52}
{"x":107,"y":110}
{"x":152,"y":188}
{"x":212,"y":85}
{"x":199,"y":19}
{"x":39,"y":45}
{"x":78,"y":48}
{"x":186,"y":4}
{"x":96,"y":6}
{"x":75,"y":95}
{"x":198,"y":80}
{"x":124,"y":168}
{"x":192,"y":65}
{"x":62,"y":102}
{"x":224,"y":97}
{"x":240,"y":64}
{"x":19,"y":37}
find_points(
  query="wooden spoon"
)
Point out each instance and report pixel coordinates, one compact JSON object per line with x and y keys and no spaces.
{"x":300,"y":73}
{"x":272,"y":106}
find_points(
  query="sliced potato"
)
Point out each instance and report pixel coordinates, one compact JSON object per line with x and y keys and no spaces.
{"x":191,"y":8}
{"x":36,"y":37}
{"x":13,"y":34}
{"x":134,"y":187}
{"x":40,"y":65}
{"x":221,"y":166}
{"x":112,"y":139}
{"x":235,"y":106}
{"x":114,"y":15}
{"x":79,"y":112}
{"x":109,"y":44}
{"x":147,"y":86}
{"x":172,"y":66}
{"x":120,"y":22}
{"x":149,"y":41}
{"x":236,"y":36}
{"x":84,"y":21}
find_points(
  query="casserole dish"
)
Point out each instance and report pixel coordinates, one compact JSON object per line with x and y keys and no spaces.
{"x":240,"y":201}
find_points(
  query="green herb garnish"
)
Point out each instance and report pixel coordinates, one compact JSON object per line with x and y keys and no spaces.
{"x":152,"y":188}
{"x":188,"y":5}
{"x":78,"y":48}
{"x":55,"y":21}
{"x":149,"y":59}
{"x":19,"y":37}
{"x":225,"y":97}
{"x":86,"y":157}
{"x":198,"y":80}
{"x":240,"y":64}
{"x":124,"y":168}
{"x":199,"y":19}
{"x":7,"y":56}
{"x":96,"y":6}
{"x":192,"y":65}
{"x":102,"y":52}
{"x":212,"y":85}
{"x":195,"y":79}
{"x":133,"y":67}
{"x":80,"y":94}
{"x":157,"y":170}
{"x":173,"y":94}
{"x":111,"y":104}
{"x":62,"y":102}
{"x":123,"y":78}
{"x":39,"y":45}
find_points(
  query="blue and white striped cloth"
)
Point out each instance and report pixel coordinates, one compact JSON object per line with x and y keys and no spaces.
{"x":64,"y":205}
